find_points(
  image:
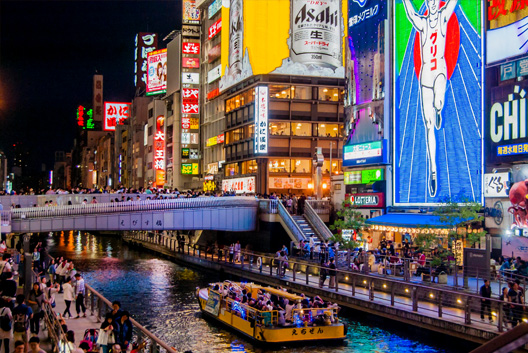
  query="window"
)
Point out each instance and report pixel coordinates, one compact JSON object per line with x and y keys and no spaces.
{"x":238,"y":134}
{"x":336,"y":166}
{"x":301,"y":92}
{"x":279,"y":92}
{"x":329,"y":130}
{"x":231,"y":169}
{"x":329,"y":94}
{"x":301,"y":129}
{"x":240,"y":100}
{"x":279,"y":165}
{"x":301,"y":166}
{"x":279,"y":129}
{"x":249,"y":167}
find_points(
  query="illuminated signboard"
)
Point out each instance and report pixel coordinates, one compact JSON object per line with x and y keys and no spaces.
{"x":496,"y":184}
{"x":214,"y":53}
{"x":185,"y":152}
{"x":365,"y":153}
{"x":214,"y":8}
{"x":239,"y":185}
{"x":190,"y":101}
{"x":283,"y":37}
{"x":186,"y":122}
{"x":366,"y":40}
{"x":214,"y":29}
{"x":369,"y":176}
{"x":159,"y":151}
{"x":261,"y":119}
{"x":194,"y":138}
{"x":190,"y":93}
{"x":214,"y":74}
{"x":194,"y":153}
{"x":190,"y":63}
{"x":438,"y":100}
{"x":185,"y":138}
{"x":80,"y":116}
{"x":190,"y":48}
{"x":215,"y":140}
{"x":190,"y":31}
{"x":157,"y":72}
{"x":289,"y":183}
{"x":213,"y":94}
{"x":505,"y":35}
{"x":115,"y":114}
{"x":506,"y":128}
{"x":97,"y":99}
{"x":353,"y":177}
{"x":145,"y":43}
{"x":195,"y":123}
{"x":366,"y":200}
{"x":190,"y":168}
{"x":192,"y":78}
{"x":90,"y":125}
{"x":190,"y":13}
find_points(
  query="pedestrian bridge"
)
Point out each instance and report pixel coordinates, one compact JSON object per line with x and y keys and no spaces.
{"x":236,"y":214}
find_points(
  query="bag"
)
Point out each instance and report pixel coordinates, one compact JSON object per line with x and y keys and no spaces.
{"x":102,"y":339}
{"x":20,"y":322}
{"x":5,"y":322}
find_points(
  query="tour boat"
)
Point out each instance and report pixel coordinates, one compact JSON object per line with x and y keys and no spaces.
{"x":307,"y":326}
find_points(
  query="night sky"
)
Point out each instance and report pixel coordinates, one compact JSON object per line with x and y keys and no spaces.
{"x":49,"y":51}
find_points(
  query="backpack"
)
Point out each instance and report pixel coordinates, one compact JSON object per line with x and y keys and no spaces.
{"x":5,"y":322}
{"x":20,"y":322}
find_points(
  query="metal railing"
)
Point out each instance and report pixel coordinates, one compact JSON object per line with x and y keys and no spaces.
{"x":316,"y":222}
{"x":290,"y":222}
{"x":5,"y":218}
{"x":132,"y":206}
{"x":268,"y":206}
{"x":320,"y":206}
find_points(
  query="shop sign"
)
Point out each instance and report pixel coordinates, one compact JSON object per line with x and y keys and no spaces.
{"x":194,"y":153}
{"x":186,"y":123}
{"x":190,"y":31}
{"x":190,"y":48}
{"x":261,"y":120}
{"x":508,"y":71}
{"x":190,"y":106}
{"x":195,"y":123}
{"x":212,"y":168}
{"x":239,"y":185}
{"x":353,"y":177}
{"x":190,"y":63}
{"x":209,"y":177}
{"x":214,"y":53}
{"x":213,"y":94}
{"x":215,"y":140}
{"x":214,"y":8}
{"x":366,"y":200}
{"x":289,"y":183}
{"x":214,"y":74}
{"x":159,"y":151}
{"x":192,"y":78}
{"x":185,"y":153}
{"x":189,"y":168}
{"x":496,"y":184}
{"x":459,"y":252}
{"x":369,"y":176}
{"x":190,"y":93}
{"x":214,"y":29}
{"x":365,"y":153}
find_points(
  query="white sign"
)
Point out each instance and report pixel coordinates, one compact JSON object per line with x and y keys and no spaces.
{"x":214,"y":74}
{"x":261,"y":120}
{"x":239,"y":185}
{"x":185,"y":138}
{"x":192,"y":78}
{"x":496,"y":184}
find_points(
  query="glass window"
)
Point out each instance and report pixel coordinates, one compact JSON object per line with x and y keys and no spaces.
{"x":231,"y":169}
{"x":279,"y":91}
{"x":336,"y":166}
{"x":279,"y":129}
{"x":249,"y":167}
{"x":328,"y":94}
{"x":250,"y":131}
{"x":301,"y":129}
{"x":238,"y":134}
{"x":279,"y":165}
{"x":301,"y":166}
{"x":329,"y":130}
{"x":301,"y":92}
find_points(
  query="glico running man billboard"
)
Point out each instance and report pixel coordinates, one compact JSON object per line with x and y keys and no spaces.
{"x":437,"y":101}
{"x":290,"y":37}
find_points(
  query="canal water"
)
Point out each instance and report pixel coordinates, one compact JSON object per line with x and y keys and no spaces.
{"x":160,"y":295}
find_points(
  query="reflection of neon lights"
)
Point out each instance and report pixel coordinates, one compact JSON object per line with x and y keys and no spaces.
{"x":297,"y":321}
{"x":238,"y":308}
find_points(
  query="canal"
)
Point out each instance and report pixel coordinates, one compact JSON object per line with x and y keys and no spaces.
{"x":160,"y":295}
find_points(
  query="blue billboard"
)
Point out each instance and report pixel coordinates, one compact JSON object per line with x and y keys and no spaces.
{"x":437,"y":101}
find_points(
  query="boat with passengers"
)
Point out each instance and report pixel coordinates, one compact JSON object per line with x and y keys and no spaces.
{"x":271,"y":316}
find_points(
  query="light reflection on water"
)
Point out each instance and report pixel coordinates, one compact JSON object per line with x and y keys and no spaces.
{"x":160,"y":296}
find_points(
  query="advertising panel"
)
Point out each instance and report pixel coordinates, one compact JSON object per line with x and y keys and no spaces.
{"x":97,"y":99}
{"x":291,"y":37}
{"x":195,"y":123}
{"x":186,"y":123}
{"x":214,"y":8}
{"x":261,"y":119}
{"x":157,"y":72}
{"x":515,"y":246}
{"x":214,"y":29}
{"x":366,"y":200}
{"x":437,"y":101}
{"x":185,"y":138}
{"x":366,"y":46}
{"x":506,"y":128}
{"x":191,"y":13}
{"x":190,"y":63}
{"x":190,"y":48}
{"x":194,"y":153}
{"x":185,"y":152}
{"x":353,"y":177}
{"x":190,"y":31}
{"x":369,"y":176}
{"x":190,"y":93}
{"x":214,"y":74}
{"x":289,"y":183}
{"x":215,"y":140}
{"x":192,"y":78}
{"x":214,"y":53}
{"x":496,"y":184}
{"x":145,"y":43}
{"x":115,"y":114}
{"x":505,"y":35}
{"x":239,"y":185}
{"x":159,"y":151}
{"x":374,"y":152}
{"x":190,"y":106}
{"x":190,"y":169}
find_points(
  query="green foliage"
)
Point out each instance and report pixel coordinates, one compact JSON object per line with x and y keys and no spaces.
{"x":348,"y":218}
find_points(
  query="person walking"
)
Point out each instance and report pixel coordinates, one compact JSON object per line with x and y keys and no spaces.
{"x":323,"y":273}
{"x":6,"y":329}
{"x":79,"y":295}
{"x":21,"y":316}
{"x":68,"y":296}
{"x":485,"y":303}
{"x":35,"y":301}
{"x":332,"y":272}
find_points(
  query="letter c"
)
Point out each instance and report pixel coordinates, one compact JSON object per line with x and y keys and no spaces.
{"x":496,"y":131}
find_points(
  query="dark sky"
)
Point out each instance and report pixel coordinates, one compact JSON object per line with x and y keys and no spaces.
{"x":49,"y":51}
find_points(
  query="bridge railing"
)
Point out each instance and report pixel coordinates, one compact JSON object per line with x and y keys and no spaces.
{"x":268,"y":206}
{"x":316,"y":222}
{"x":131,"y":206}
{"x":320,"y":206}
{"x":5,"y":218}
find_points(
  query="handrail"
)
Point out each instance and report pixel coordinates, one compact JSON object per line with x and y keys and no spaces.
{"x":290,"y":222}
{"x":268,"y":206}
{"x":320,"y":206}
{"x":316,"y":222}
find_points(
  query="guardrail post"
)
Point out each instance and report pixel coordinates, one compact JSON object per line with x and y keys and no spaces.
{"x":371,"y":290}
{"x":393,"y":290}
{"x":439,"y":304}
{"x":500,"y":317}
{"x":414,"y":298}
{"x":354,"y":286}
{"x":306,"y":272}
{"x":294,"y":271}
{"x":271,"y":267}
{"x":242,"y":260}
{"x":468,"y":311}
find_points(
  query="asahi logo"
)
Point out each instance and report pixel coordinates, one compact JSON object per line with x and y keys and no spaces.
{"x":310,"y":15}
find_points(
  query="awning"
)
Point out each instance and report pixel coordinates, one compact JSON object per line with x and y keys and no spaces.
{"x":408,"y":220}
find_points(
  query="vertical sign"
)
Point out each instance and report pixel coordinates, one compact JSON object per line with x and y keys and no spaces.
{"x":157,"y":72}
{"x":191,"y":14}
{"x":159,"y":151}
{"x":98,"y":98}
{"x":261,"y":120}
{"x":145,"y":43}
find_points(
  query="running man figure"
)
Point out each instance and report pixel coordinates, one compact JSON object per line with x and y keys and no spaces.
{"x":433,"y":74}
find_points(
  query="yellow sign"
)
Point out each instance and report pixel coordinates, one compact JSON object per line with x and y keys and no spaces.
{"x":300,"y":37}
{"x":195,"y":169}
{"x":195,"y":123}
{"x":209,"y":186}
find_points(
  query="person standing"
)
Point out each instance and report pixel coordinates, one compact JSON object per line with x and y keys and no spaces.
{"x":124,"y":330}
{"x":34,"y":345}
{"x":35,"y":300}
{"x":322,"y":273}
{"x":6,"y":335}
{"x":21,"y":316}
{"x":237,"y":251}
{"x":485,"y":303}
{"x":68,"y":296}
{"x":332,"y":272}
{"x":106,"y":333}
{"x":79,"y":295}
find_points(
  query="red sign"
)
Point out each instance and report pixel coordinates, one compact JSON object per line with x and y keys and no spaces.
{"x":80,"y":116}
{"x":186,"y":122}
{"x":214,"y":93}
{"x":366,"y":200}
{"x":215,"y":29}
{"x":190,"y":106}
{"x":220,"y":138}
{"x":214,"y":53}
{"x":190,"y":93}
{"x":190,"y":63}
{"x":190,"y":48}
{"x":159,"y":151}
{"x":498,"y":8}
{"x":115,"y":114}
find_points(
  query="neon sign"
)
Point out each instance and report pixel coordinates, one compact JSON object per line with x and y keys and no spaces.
{"x":159,"y":150}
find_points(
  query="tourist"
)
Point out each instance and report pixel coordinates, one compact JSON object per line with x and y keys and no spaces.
{"x":231,"y":252}
{"x":6,"y":330}
{"x":505,"y":306}
{"x":84,"y":347}
{"x":9,"y":289}
{"x":116,"y":348}
{"x":35,"y":301}
{"x":34,"y":345}
{"x":332,"y":273}
{"x":50,"y":293}
{"x":79,"y":295}
{"x":116,"y":311}
{"x":20,"y":347}
{"x":237,"y":251}
{"x":515,"y":299}
{"x":21,"y":316}
{"x":106,"y":334}
{"x":485,"y":304}
{"x":323,"y":273}
{"x":124,"y":330}
{"x":5,"y":266}
{"x":69,"y":295}
{"x":52,"y":269}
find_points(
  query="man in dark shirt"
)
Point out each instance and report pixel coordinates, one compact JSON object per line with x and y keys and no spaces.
{"x":9,"y":289}
{"x":514,"y":298}
{"x":25,"y":312}
{"x":485,"y":303}
{"x":332,"y":273}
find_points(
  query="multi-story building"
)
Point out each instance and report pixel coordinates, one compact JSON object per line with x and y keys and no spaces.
{"x":137,"y":137}
{"x":104,"y":161}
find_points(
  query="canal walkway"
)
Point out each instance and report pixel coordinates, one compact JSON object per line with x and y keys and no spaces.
{"x":435,"y":307}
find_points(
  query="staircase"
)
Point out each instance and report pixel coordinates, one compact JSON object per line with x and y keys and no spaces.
{"x":305,"y":227}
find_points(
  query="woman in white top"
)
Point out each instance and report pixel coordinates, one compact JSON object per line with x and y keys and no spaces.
{"x":68,"y":296}
{"x":6,"y":336}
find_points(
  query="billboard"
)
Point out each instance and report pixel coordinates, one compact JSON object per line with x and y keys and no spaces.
{"x":190,"y":48}
{"x":97,"y":99}
{"x":239,"y":185}
{"x":505,"y":32}
{"x":115,"y":114}
{"x":190,"y":13}
{"x":145,"y":43}
{"x":261,"y":119}
{"x":366,"y":51}
{"x":157,"y":72}
{"x":191,"y":63}
{"x":159,"y":151}
{"x":438,"y":82}
{"x":374,"y":152}
{"x":290,"y":37}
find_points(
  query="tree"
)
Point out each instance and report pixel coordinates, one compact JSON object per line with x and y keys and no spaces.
{"x":348,"y":218}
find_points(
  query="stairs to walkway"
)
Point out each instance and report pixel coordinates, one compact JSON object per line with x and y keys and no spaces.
{"x":305,"y":227}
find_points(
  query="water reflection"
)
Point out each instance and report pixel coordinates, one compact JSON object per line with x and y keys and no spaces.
{"x":160,"y":295}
